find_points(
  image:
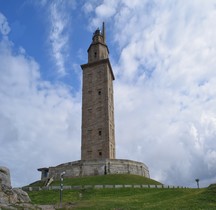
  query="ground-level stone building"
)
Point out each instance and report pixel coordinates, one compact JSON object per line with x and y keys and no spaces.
{"x":95,"y":167}
{"x":98,"y":127}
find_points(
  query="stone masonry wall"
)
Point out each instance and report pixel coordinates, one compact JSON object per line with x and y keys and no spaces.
{"x":98,"y":134}
{"x":98,"y":167}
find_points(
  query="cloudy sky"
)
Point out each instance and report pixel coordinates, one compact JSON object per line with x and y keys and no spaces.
{"x":163,"y":55}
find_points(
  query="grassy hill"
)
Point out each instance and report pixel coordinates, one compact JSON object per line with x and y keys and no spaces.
{"x":128,"y":198}
{"x":112,"y":179}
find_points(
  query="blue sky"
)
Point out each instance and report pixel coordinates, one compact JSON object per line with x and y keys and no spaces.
{"x":32,"y":27}
{"x":163,"y":57}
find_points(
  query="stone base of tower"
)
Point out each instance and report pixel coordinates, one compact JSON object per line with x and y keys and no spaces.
{"x":95,"y":167}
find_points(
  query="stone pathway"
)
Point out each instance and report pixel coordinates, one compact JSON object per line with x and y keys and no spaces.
{"x":47,"y":207}
{"x":69,"y":205}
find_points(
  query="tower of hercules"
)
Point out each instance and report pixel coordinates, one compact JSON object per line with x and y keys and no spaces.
{"x":98,"y":128}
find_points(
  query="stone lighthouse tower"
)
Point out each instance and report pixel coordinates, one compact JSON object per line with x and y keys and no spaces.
{"x":98,"y":128}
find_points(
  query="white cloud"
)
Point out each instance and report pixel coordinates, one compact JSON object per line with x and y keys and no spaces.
{"x":105,"y":11}
{"x":40,"y":122}
{"x":59,"y":31}
{"x":88,"y":7}
{"x":4,"y":27}
{"x":165,"y":91}
{"x":58,"y":37}
{"x":165,"y":87}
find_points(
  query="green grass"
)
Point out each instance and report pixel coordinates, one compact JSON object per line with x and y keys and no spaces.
{"x":128,"y":198}
{"x":103,"y":180}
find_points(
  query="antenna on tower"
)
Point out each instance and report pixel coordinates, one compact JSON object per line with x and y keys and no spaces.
{"x":104,"y":33}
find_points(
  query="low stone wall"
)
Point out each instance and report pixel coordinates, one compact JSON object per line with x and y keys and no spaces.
{"x":100,"y":187}
{"x":95,"y":167}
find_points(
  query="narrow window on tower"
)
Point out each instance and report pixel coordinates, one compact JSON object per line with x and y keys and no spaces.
{"x":99,"y":153}
{"x":100,"y":134}
{"x":95,"y":54}
{"x":99,"y":92}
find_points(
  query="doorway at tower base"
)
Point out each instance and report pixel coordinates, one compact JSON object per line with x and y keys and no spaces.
{"x":95,"y":167}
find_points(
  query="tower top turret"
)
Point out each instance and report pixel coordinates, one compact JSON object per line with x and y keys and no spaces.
{"x":99,"y":36}
{"x":98,"y":49}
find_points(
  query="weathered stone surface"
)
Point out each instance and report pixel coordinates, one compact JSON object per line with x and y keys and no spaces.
{"x":98,"y":186}
{"x":12,"y":198}
{"x":137,"y":186}
{"x":119,"y":186}
{"x":6,"y":193}
{"x":108,"y":186}
{"x":22,"y":196}
{"x":5,"y":177}
{"x":98,"y":128}
{"x":98,"y":167}
{"x":22,"y":206}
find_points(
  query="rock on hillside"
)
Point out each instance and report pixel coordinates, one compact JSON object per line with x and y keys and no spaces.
{"x":12,"y":198}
